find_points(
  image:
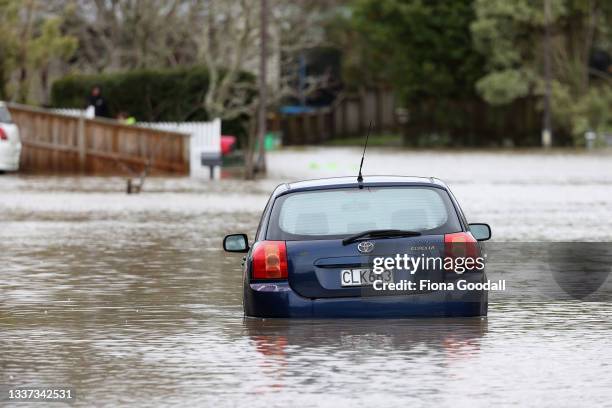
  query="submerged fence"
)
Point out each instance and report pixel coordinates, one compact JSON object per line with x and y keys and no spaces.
{"x":60,"y":142}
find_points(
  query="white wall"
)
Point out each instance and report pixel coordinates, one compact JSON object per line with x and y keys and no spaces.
{"x":205,"y":137}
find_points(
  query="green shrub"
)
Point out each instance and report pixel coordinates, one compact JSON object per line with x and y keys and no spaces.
{"x":147,"y":95}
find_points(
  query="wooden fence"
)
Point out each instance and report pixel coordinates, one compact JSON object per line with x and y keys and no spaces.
{"x":54,"y":142}
{"x":349,"y":115}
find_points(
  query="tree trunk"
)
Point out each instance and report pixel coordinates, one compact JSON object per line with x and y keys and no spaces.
{"x":22,"y":90}
{"x":3,"y":95}
{"x":250,"y":150}
{"x":263,"y":100}
{"x":44,"y":82}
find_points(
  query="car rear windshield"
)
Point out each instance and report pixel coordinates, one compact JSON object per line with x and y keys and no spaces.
{"x":5,"y":117}
{"x":332,"y":214}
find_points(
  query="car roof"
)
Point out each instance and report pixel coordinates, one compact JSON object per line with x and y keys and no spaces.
{"x":347,"y":182}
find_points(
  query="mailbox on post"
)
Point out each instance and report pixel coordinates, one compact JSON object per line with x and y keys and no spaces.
{"x":210,"y":160}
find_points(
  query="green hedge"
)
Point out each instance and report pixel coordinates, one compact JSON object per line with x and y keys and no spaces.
{"x":148,"y":95}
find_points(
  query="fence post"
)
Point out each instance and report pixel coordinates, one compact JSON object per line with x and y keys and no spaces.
{"x":320,"y":126}
{"x":344,"y":122}
{"x":81,"y":144}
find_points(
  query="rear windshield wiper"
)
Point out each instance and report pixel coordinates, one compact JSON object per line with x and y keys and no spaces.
{"x":382,"y":233}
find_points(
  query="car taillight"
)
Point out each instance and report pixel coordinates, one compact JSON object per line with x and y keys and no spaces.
{"x":3,"y":135}
{"x":270,"y":260}
{"x":460,"y":245}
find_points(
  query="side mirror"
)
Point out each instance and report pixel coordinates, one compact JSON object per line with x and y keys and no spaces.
{"x":236,"y":243}
{"x":481,"y":232}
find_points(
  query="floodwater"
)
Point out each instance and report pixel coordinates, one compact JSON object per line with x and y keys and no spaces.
{"x":130,"y":300}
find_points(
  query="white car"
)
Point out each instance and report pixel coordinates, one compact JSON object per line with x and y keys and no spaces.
{"x":10,"y":144}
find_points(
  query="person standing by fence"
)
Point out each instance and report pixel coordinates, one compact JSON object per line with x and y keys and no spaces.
{"x":98,"y":102}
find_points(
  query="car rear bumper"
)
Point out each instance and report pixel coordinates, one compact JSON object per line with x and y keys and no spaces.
{"x":9,"y":156}
{"x":279,"y":300}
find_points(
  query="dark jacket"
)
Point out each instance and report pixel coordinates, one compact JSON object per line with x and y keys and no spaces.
{"x":100,"y":106}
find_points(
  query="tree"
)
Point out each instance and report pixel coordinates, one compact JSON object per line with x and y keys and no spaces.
{"x":124,"y":35}
{"x":9,"y":10}
{"x":29,"y":42}
{"x":222,"y":35}
{"x":49,"y":46}
{"x":510,"y":36}
{"x":131,"y":34}
{"x":230,"y":43}
{"x":423,"y":49}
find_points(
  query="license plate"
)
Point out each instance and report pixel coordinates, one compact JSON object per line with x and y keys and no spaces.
{"x":363,"y":277}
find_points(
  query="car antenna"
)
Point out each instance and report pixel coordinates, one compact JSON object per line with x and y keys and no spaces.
{"x":360,"y":177}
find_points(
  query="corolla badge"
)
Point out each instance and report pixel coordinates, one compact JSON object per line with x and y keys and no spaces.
{"x":365,"y":247}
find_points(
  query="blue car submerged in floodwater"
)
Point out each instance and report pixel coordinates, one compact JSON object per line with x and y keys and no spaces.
{"x":340,"y":247}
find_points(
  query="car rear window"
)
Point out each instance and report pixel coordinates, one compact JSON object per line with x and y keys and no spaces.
{"x":325,"y":214}
{"x":5,"y":117}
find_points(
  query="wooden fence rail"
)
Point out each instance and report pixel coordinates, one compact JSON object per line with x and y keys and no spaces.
{"x":349,"y":115}
{"x":54,"y":142}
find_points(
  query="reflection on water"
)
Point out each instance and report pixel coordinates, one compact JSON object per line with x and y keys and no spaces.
{"x":130,"y":300}
{"x":452,"y":337}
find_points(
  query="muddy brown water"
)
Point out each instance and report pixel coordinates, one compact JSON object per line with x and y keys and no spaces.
{"x":130,"y":300}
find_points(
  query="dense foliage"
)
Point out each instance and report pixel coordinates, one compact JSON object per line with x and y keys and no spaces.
{"x":471,"y":71}
{"x":424,"y":51}
{"x":147,"y":95}
{"x":512,"y":37}
{"x":467,"y":72}
{"x":423,"y":47}
{"x":29,"y":46}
